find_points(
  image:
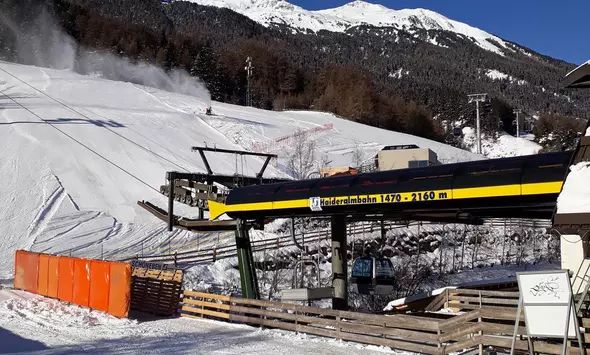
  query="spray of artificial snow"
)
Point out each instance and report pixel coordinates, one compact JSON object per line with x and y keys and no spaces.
{"x":44,"y":44}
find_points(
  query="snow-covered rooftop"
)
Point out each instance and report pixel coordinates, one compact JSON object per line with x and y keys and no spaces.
{"x":575,"y":194}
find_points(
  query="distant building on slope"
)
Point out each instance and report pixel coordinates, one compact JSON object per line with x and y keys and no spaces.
{"x":391,"y":157}
{"x":395,"y":157}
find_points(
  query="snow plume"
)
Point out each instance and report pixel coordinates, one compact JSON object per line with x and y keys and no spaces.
{"x":109,"y":66}
{"x":44,"y":44}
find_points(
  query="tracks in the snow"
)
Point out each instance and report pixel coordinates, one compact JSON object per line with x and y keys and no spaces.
{"x":46,"y":212}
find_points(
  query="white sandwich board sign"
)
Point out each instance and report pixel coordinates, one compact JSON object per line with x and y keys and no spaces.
{"x":548,"y":303}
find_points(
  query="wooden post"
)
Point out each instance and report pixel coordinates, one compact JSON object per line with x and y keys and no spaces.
{"x":202,"y":307}
{"x":454,"y":246}
{"x":441,"y":252}
{"x":481,"y":330}
{"x":171,"y":183}
{"x":504,"y":244}
{"x":463,"y":249}
{"x":418,"y":254}
{"x":534,"y":247}
{"x":383,"y":235}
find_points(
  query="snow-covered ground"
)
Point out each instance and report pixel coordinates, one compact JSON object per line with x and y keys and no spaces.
{"x":31,"y":324}
{"x":78,"y":152}
{"x":505,"y":146}
{"x":498,"y":75}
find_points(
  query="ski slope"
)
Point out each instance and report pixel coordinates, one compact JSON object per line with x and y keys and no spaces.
{"x":78,"y":152}
{"x":503,"y":146}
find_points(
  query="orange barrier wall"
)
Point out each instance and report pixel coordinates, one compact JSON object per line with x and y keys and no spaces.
{"x":120,"y":289}
{"x":100,"y":275}
{"x":19,"y":270}
{"x":81,"y":282}
{"x":43,"y":274}
{"x":65,"y":288}
{"x":53,"y":275}
{"x":100,"y":285}
{"x":26,"y":271}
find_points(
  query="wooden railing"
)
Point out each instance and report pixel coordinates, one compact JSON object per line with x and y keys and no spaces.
{"x":467,"y":299}
{"x":422,"y":334}
{"x":418,"y":334}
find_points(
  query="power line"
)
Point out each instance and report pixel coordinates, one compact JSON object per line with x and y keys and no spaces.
{"x":144,"y":137}
{"x":80,"y":143}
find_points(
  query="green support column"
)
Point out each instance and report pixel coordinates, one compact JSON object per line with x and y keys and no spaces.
{"x":246,"y":262}
{"x":339,"y":264}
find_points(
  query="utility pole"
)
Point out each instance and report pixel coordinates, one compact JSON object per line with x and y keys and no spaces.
{"x":517,"y":111}
{"x":477,"y":98}
{"x":248,"y":69}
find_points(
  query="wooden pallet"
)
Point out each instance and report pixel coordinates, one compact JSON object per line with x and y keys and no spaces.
{"x":156,"y":291}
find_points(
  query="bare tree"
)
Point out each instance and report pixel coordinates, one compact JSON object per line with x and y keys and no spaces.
{"x":357,"y":155}
{"x":274,"y":278}
{"x":325,"y":161}
{"x":302,"y":158}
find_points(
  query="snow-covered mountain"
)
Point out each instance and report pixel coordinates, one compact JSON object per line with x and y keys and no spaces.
{"x":356,"y":13}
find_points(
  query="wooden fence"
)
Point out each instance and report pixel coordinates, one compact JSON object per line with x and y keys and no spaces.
{"x":467,"y":299}
{"x":478,"y":328}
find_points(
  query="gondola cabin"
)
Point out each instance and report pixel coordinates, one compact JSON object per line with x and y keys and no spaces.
{"x":372,"y":276}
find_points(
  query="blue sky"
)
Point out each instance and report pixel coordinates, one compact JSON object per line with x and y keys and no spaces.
{"x":554,"y":28}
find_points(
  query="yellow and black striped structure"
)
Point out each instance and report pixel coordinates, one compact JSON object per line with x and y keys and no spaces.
{"x":525,"y":186}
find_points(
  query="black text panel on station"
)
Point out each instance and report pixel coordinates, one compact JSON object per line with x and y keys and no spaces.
{"x":525,"y":186}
